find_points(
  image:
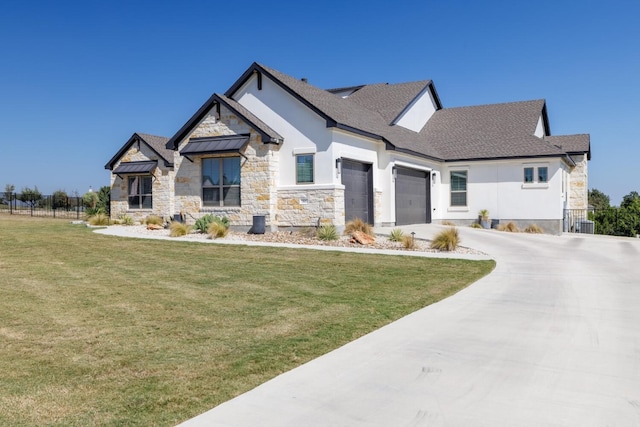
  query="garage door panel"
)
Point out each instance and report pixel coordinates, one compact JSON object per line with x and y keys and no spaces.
{"x":357,"y":179}
{"x":413,"y":205}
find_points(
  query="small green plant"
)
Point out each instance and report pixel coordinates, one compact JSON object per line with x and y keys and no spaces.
{"x":202,"y":223}
{"x":153,"y":219}
{"x":476,"y":225}
{"x":217,"y":229}
{"x":534,"y":228}
{"x":408,"y":242}
{"x":98,"y":219}
{"x":510,"y":227}
{"x":358,"y":224}
{"x":484,"y":214}
{"x":178,"y":229}
{"x":327,"y":232}
{"x":396,"y":235}
{"x":126,"y":220}
{"x":446,"y":240}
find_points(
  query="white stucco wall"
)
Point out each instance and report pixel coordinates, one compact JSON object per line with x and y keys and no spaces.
{"x":499,"y":187}
{"x":539,"y":132}
{"x":416,"y":115}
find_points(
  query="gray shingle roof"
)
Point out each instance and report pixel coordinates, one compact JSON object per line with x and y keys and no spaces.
{"x":157,"y":144}
{"x":489,"y":131}
{"x":389,"y":100}
{"x":493,"y":131}
{"x":572,"y":143}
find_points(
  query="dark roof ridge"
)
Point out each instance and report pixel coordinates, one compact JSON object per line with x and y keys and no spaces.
{"x":155,"y":142}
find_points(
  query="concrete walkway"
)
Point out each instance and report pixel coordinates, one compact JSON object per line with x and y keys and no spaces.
{"x":550,"y":338}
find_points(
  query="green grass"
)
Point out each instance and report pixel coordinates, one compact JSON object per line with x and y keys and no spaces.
{"x":100,"y":330}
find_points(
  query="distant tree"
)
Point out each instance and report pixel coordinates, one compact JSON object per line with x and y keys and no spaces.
{"x":59,"y":199}
{"x":598,"y":199}
{"x":30,"y":196}
{"x":8,"y":191}
{"x":629,"y":215}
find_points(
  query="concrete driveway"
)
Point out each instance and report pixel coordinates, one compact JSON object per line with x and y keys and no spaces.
{"x":550,"y":338}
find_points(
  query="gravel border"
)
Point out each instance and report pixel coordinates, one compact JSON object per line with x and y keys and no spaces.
{"x":292,"y":238}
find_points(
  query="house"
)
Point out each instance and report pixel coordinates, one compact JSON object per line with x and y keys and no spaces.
{"x":278,"y":147}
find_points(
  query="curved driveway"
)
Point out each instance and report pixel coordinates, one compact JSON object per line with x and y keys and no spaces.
{"x":550,"y":338}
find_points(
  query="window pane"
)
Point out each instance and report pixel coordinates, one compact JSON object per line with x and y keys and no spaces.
{"x":231,"y":196}
{"x":459,"y":199}
{"x":146,"y":202}
{"x":134,"y":202}
{"x":231,"y":171}
{"x":459,"y":181}
{"x":528,"y":174}
{"x":542,"y":174}
{"x":304,"y":168}
{"x":147,"y":185}
{"x":211,"y":196}
{"x":133,"y":185}
{"x":210,"y":172}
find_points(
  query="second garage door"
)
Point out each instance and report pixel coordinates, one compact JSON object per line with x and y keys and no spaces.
{"x":413,"y":196}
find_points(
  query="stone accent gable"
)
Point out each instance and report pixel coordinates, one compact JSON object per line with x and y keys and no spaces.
{"x":162,"y":186}
{"x":258,"y":174}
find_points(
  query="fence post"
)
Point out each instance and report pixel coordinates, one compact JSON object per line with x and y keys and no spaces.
{"x":10,"y":203}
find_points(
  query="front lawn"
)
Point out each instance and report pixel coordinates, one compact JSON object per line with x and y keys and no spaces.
{"x":100,"y":330}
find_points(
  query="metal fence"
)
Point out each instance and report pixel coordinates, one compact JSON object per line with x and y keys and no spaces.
{"x":55,"y":206}
{"x":595,"y":221}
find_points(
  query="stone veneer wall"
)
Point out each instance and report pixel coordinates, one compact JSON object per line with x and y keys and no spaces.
{"x":258,"y":175}
{"x":162,"y":186}
{"x":578,"y":190}
{"x":309,"y":207}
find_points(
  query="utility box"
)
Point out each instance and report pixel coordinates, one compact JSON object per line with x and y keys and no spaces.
{"x":258,"y":226}
{"x":586,"y":226}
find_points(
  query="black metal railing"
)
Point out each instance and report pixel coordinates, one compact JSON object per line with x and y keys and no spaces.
{"x":55,"y":206}
{"x":609,"y":221}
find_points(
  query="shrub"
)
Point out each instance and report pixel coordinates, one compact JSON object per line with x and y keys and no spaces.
{"x":510,"y":227}
{"x":476,"y":225}
{"x":178,"y":229}
{"x":98,"y":219}
{"x":358,"y":224}
{"x":396,"y":235}
{"x":153,"y":219}
{"x":126,"y":220}
{"x":446,"y":240}
{"x":408,"y":242}
{"x":217,"y":229}
{"x":327,"y":232}
{"x":448,"y":223}
{"x":202,"y":223}
{"x":534,"y":228}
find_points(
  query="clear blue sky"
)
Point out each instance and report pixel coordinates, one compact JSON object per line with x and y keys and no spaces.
{"x":77,"y":78}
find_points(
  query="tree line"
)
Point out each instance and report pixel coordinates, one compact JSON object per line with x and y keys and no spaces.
{"x":616,"y":221}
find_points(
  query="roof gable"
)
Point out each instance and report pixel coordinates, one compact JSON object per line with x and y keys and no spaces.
{"x":156,"y":143}
{"x":268,"y":135}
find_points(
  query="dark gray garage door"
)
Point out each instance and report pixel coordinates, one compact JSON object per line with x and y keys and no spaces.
{"x":413,"y":197}
{"x":357,"y":179}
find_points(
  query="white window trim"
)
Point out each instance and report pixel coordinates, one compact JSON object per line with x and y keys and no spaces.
{"x":313,"y":166}
{"x":458,"y":208}
{"x":535,"y":185}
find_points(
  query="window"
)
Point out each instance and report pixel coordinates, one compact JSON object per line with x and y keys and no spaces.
{"x":528,"y":175}
{"x":458,"y":188}
{"x":140,"y":192}
{"x":542,"y":174}
{"x":536,"y":175}
{"x":221,"y":181}
{"x":304,"y":168}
